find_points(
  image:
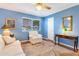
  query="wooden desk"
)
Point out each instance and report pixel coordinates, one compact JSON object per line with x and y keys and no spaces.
{"x":74,"y":38}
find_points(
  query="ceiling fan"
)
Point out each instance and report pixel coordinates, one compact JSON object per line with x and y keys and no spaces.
{"x":41,"y":6}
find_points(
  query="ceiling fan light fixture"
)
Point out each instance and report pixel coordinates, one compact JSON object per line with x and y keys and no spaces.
{"x":39,"y":7}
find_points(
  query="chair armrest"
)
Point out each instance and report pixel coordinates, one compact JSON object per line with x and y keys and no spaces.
{"x":14,"y":43}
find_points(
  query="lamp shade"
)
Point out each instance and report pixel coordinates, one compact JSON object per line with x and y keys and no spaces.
{"x":5,"y":26}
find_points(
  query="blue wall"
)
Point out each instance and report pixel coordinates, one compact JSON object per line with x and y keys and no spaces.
{"x":18,"y":16}
{"x":44,"y":27}
{"x":73,"y":11}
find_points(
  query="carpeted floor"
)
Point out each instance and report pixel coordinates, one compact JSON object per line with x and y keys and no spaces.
{"x":46,"y":48}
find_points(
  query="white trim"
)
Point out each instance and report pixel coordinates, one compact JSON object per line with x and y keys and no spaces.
{"x":67,"y":45}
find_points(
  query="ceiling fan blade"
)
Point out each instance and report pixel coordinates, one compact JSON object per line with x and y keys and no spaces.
{"x":47,"y":7}
{"x":39,"y":4}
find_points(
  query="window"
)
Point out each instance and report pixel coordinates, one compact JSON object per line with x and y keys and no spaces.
{"x":35,"y":24}
{"x":29,"y":24}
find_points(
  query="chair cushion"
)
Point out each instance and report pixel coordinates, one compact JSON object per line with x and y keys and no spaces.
{"x":9,"y":39}
{"x":35,"y":41}
{"x":2,"y":43}
{"x":33,"y":32}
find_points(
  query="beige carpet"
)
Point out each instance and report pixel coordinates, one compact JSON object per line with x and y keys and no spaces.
{"x":46,"y":48}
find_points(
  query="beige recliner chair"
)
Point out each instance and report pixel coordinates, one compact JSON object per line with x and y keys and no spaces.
{"x":35,"y":37}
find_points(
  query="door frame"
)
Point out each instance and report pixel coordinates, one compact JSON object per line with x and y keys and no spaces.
{"x":52,"y":26}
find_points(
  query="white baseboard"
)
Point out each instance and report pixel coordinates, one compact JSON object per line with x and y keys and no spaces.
{"x":63,"y":44}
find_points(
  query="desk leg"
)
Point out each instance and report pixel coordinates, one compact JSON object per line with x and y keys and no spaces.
{"x":55,"y":40}
{"x":58,"y":41}
{"x":76,"y":45}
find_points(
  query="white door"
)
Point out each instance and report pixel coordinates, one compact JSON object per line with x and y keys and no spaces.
{"x":51,"y":28}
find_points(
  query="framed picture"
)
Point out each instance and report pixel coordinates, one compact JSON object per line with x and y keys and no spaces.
{"x":27,"y":24}
{"x":10,"y":22}
{"x":67,"y":23}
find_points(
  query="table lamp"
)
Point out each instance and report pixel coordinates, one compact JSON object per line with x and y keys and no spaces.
{"x":6,"y":29}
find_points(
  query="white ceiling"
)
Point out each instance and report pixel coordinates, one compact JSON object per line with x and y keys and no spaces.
{"x":29,"y":8}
